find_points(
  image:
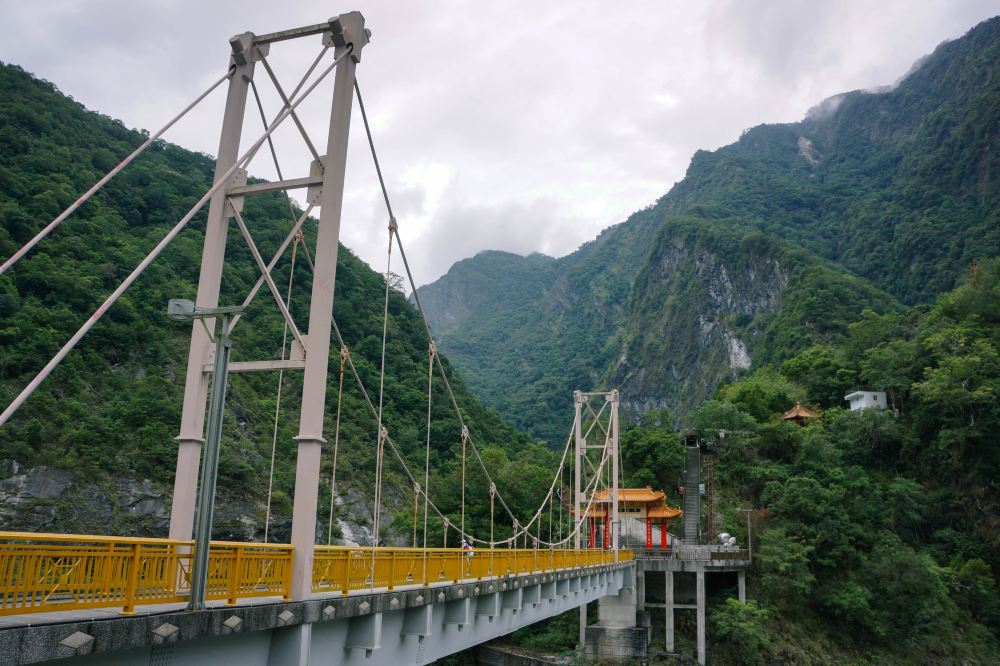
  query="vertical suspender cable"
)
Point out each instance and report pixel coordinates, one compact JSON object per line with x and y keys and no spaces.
{"x":493,"y":491}
{"x":381,"y":402}
{"x":416,"y":497}
{"x":465,"y":439}
{"x":277,"y":399}
{"x":431,"y":350}
{"x":344,"y":355}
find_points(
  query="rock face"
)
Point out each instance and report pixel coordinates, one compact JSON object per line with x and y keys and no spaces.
{"x":697,"y":314}
{"x":47,"y":499}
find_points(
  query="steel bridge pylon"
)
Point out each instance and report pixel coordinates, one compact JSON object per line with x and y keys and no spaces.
{"x":347,"y":36}
{"x":595,"y":430}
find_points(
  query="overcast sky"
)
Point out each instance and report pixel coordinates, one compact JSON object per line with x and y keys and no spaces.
{"x":520,"y":126}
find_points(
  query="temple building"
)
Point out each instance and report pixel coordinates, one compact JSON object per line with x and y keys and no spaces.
{"x":642,"y":504}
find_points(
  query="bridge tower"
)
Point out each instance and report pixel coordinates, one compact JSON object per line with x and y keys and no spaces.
{"x":595,"y":430}
{"x":347,"y":36}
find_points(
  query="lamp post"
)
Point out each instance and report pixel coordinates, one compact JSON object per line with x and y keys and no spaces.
{"x":184,"y":310}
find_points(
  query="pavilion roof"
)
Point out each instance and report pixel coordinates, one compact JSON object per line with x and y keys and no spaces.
{"x":798,"y":412}
{"x":664,"y":512}
{"x":640,"y":495}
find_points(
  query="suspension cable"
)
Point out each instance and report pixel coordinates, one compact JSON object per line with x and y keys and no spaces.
{"x":374,"y":411}
{"x":493,"y":492}
{"x":155,"y":252}
{"x":416,"y":504}
{"x":465,"y":440}
{"x":380,"y":449}
{"x":13,"y":259}
{"x":385,"y":195}
{"x":270,"y":145}
{"x":431,"y":351}
{"x":518,"y":530}
{"x":344,"y":355}
{"x":277,"y":399}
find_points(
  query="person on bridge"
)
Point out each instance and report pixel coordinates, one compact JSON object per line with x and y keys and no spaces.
{"x":468,"y":550}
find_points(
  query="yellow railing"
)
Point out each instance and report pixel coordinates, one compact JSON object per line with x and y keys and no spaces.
{"x":342,"y":568}
{"x":53,"y":572}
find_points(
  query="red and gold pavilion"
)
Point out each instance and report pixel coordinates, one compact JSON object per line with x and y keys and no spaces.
{"x":643,"y":504}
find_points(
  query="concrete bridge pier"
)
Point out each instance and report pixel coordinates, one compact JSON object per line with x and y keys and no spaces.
{"x":623,"y":629}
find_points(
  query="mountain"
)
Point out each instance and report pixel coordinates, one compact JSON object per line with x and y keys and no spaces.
{"x":93,"y":449}
{"x":767,"y":245}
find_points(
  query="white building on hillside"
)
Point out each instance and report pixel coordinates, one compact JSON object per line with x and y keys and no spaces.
{"x":866,"y":400}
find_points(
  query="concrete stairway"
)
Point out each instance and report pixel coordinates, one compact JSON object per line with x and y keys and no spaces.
{"x":692,"y":499}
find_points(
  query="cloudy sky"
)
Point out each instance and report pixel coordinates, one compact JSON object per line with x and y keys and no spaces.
{"x":521,"y":126}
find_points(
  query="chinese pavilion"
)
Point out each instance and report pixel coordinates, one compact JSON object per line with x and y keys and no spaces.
{"x":643,"y":504}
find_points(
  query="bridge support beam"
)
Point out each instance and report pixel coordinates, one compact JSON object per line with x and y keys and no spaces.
{"x":290,"y":646}
{"x":310,"y":438}
{"x":192,"y":432}
{"x":700,"y":603}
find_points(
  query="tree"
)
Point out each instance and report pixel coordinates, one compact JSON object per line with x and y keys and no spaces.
{"x":740,"y":628}
{"x":762,"y":394}
{"x":784,"y":561}
{"x":714,"y":415}
{"x":652,"y":453}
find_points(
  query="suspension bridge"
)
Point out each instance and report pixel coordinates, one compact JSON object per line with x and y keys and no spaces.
{"x":184,"y":599}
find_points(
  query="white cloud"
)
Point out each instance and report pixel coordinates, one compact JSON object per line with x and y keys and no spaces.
{"x":517,"y":126}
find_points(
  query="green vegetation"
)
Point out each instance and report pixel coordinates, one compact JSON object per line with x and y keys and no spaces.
{"x":876,"y":531}
{"x":112,"y":409}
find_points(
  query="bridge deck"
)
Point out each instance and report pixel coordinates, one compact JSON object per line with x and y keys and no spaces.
{"x":365,"y":628}
{"x":111,"y":613}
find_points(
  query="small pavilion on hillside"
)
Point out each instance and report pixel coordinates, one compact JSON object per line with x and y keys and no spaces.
{"x":799,"y":414}
{"x":643,"y":504}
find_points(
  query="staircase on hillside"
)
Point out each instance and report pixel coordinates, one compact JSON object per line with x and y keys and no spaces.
{"x":692,"y":498}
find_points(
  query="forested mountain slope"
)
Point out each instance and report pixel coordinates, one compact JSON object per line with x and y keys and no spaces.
{"x":898,"y":187}
{"x":93,"y":449}
{"x":528,"y":331}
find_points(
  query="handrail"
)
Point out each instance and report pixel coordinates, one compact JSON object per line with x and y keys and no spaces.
{"x":49,"y":572}
{"x":87,"y":538}
{"x":344,"y":568}
{"x":56,"y":572}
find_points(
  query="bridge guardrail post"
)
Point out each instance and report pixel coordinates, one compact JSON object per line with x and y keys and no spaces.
{"x":233,"y":584}
{"x":105,"y":589}
{"x":133,"y":580}
{"x":286,"y":579}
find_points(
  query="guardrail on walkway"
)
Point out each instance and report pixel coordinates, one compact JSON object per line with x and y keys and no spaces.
{"x":342,"y":568}
{"x":702,"y":553}
{"x":56,"y":572}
